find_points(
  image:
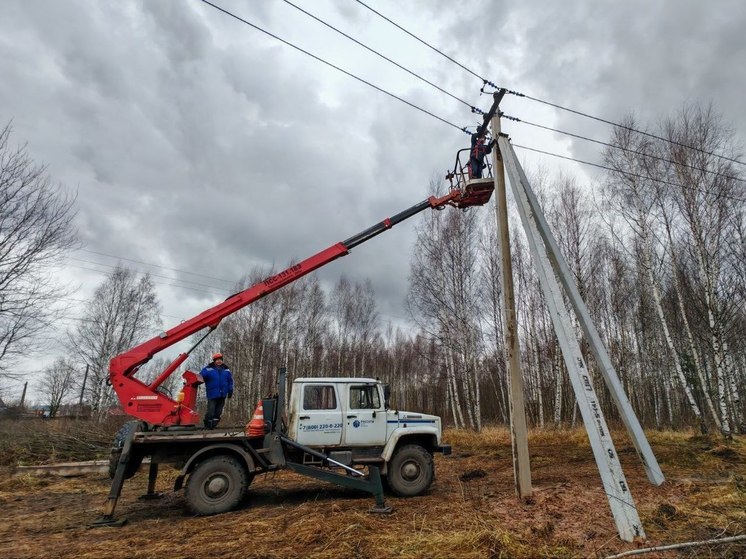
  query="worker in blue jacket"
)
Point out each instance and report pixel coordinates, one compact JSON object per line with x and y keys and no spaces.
{"x":219,"y":386}
{"x":479,"y":150}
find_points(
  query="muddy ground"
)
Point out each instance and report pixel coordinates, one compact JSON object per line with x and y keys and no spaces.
{"x":470,"y":511}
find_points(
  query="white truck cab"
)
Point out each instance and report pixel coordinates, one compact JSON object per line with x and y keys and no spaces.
{"x":348,"y":420}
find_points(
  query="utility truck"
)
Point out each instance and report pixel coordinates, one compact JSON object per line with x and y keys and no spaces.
{"x":349,"y":420}
{"x":336,"y":427}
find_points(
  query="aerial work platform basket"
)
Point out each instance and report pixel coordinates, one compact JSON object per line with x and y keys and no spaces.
{"x":475,"y":191}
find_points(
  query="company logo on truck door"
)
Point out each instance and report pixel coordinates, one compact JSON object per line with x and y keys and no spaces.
{"x":362,"y":423}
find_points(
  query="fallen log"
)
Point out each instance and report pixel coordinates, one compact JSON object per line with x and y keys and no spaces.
{"x":67,"y":469}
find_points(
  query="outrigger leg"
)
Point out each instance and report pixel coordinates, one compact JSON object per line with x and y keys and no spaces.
{"x":107,"y":516}
{"x":152,"y":477}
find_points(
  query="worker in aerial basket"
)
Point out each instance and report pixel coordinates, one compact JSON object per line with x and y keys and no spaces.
{"x":219,"y":386}
{"x":479,"y":150}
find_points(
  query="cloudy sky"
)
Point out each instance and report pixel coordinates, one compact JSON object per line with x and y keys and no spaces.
{"x":196,"y":143}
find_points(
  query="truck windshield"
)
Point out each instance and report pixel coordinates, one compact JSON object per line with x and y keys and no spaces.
{"x":364,"y":397}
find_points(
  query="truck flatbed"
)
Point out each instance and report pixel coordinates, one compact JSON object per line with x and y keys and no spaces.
{"x":202,"y":435}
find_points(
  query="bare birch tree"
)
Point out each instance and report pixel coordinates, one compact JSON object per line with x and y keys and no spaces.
{"x":444,"y":297}
{"x":707,"y":199}
{"x":341,"y":311}
{"x":124,"y":310}
{"x":35,"y":230}
{"x":56,"y":384}
{"x":633,"y":191}
{"x":365,"y":324}
{"x":492,"y":288}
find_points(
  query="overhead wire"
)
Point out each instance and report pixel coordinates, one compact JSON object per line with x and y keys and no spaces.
{"x":623,"y":126}
{"x":318,"y":58}
{"x":154,"y":265}
{"x":409,"y":328}
{"x":149,"y":273}
{"x":155,"y":282}
{"x":389,"y":316}
{"x":478,"y":111}
{"x":629,"y":173}
{"x":628,"y":150}
{"x":75,"y":299}
{"x":412,"y":105}
{"x":472,"y":72}
{"x":386,"y":58}
{"x":485,"y":81}
{"x":515,"y":119}
{"x":429,"y":113}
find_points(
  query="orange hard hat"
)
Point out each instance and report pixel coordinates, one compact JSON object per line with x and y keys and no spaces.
{"x":217,"y":356}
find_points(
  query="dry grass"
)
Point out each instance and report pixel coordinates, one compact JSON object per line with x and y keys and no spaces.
{"x":46,"y":441}
{"x":463,"y":515}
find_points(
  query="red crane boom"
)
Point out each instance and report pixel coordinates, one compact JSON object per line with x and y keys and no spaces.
{"x":145,"y":402}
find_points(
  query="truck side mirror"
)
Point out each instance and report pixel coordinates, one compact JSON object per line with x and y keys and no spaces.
{"x":386,"y":395}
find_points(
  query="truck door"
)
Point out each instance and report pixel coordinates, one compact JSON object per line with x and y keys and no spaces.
{"x":365,"y":418}
{"x":320,"y":416}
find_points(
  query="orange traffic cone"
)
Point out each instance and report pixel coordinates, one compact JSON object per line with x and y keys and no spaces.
{"x":255,"y":427}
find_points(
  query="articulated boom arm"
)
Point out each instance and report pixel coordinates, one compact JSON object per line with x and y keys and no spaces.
{"x":145,"y":402}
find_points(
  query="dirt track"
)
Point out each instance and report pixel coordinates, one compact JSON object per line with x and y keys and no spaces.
{"x":471,"y":510}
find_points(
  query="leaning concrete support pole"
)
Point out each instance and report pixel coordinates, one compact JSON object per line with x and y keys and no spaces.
{"x":614,"y":482}
{"x":645,"y":453}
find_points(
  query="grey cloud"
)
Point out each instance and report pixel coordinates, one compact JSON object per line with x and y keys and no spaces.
{"x":636,"y":57}
{"x":198,"y":143}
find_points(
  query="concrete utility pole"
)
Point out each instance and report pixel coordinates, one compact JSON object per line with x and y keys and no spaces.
{"x":518,"y":429}
{"x":23,"y":395}
{"x":82,"y":391}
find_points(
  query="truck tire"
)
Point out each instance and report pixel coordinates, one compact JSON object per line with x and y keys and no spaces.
{"x":116,"y":451}
{"x":410,"y":471}
{"x":216,"y":485}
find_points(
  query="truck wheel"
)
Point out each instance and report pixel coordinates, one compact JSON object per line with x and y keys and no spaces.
{"x":216,"y":485}
{"x":410,"y":471}
{"x":116,"y":451}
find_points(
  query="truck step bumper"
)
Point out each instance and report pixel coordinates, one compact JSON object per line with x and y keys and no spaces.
{"x":445,"y":449}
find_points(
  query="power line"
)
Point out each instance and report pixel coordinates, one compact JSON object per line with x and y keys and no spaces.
{"x":358,"y":78}
{"x":485,"y":81}
{"x":386,"y":58}
{"x":149,"y":273}
{"x":242,"y":20}
{"x":474,"y":109}
{"x":155,"y":282}
{"x":623,"y":172}
{"x":166,"y":284}
{"x":88,"y":301}
{"x":159,"y":283}
{"x":472,"y":72}
{"x":155,"y":265}
{"x":622,"y":126}
{"x":580,"y":137}
{"x":408,"y":327}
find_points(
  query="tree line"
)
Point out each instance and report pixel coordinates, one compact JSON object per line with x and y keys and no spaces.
{"x":658,"y":250}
